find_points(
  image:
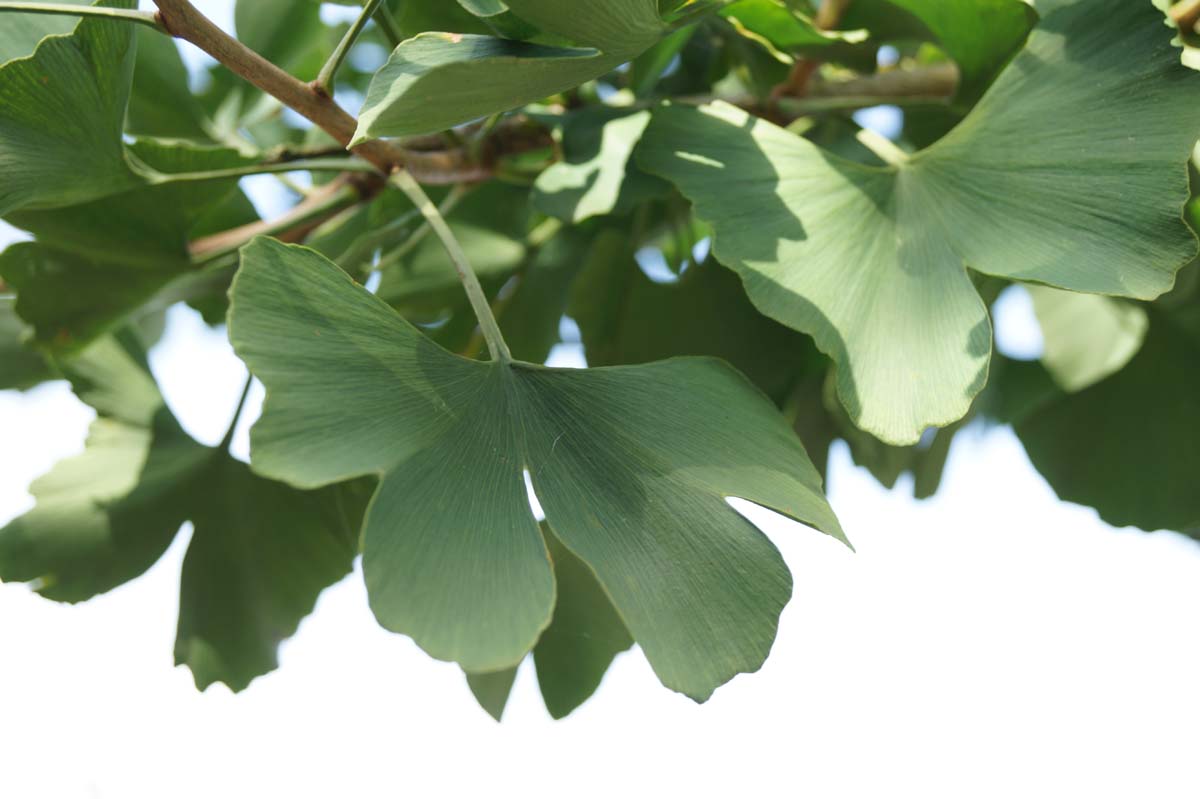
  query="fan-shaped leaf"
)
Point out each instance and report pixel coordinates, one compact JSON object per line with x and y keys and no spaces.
{"x":870,"y":261}
{"x":632,"y":466}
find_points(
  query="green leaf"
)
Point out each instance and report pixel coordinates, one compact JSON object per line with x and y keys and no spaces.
{"x":20,"y":366}
{"x":574,"y":652}
{"x":285,"y":32}
{"x":1128,"y":446}
{"x":491,"y":224}
{"x":20,"y":33}
{"x":260,"y":551}
{"x":93,"y":264}
{"x":162,"y":104}
{"x":584,"y":636}
{"x":980,"y":35}
{"x":597,"y":174}
{"x":870,"y":261}
{"x":452,"y":554}
{"x":1087,"y":337}
{"x":491,"y":689}
{"x":62,"y":111}
{"x":625,"y":318}
{"x":438,"y":80}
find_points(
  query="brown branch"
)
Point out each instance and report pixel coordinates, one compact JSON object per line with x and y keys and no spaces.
{"x":293,"y":226}
{"x":181,"y":19}
{"x":938,"y":82}
{"x":1185,"y":14}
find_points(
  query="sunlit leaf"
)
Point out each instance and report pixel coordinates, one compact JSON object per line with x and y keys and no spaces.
{"x":870,"y":261}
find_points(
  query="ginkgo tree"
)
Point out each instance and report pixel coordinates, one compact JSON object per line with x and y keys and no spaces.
{"x":515,"y":163}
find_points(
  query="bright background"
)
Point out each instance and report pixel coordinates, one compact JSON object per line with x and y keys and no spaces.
{"x":990,"y":642}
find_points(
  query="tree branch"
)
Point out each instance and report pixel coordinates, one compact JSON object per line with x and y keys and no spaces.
{"x":181,"y":19}
{"x":319,"y":206}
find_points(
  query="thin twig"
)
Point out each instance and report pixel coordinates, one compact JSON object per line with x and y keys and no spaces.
{"x":181,"y":19}
{"x":466,"y":275}
{"x":325,"y":77}
{"x":449,"y":203}
{"x":292,"y":226}
{"x":147,"y":18}
{"x":1185,"y":14}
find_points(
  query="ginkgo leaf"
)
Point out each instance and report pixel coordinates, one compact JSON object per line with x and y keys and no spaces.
{"x":1127,"y":445}
{"x":20,"y":33}
{"x":584,"y":636}
{"x":597,"y":174}
{"x":92,"y":264}
{"x":1087,"y":336}
{"x":20,"y":365}
{"x":438,"y":80}
{"x":62,"y":111}
{"x":574,"y":652}
{"x":980,"y":35}
{"x":260,"y":553}
{"x":631,"y":464}
{"x":870,"y":261}
{"x":492,"y":689}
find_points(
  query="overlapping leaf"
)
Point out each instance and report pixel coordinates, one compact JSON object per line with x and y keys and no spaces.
{"x":62,"y":112}
{"x":870,"y":261}
{"x":597,"y":174}
{"x":92,"y":264}
{"x":631,"y":464}
{"x":21,"y":33}
{"x":438,"y":80}
{"x":1087,"y":336}
{"x":260,"y":551}
{"x":980,"y":35}
{"x":1127,"y":445}
{"x":575,"y":650}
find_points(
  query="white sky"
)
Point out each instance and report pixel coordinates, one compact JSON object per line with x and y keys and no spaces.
{"x":991,"y":642}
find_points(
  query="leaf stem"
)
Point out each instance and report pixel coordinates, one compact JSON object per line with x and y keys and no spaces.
{"x":328,"y":72}
{"x":147,"y":18}
{"x":449,"y":203}
{"x":273,"y":168}
{"x":237,"y":415}
{"x":882,"y":146}
{"x":466,"y":275}
{"x":388,"y":24}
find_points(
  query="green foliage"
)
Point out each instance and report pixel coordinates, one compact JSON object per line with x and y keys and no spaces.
{"x":752,"y":276}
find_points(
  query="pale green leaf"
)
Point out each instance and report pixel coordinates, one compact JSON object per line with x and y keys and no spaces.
{"x":597,"y":174}
{"x":870,"y":261}
{"x":632,"y":465}
{"x":1087,"y":337}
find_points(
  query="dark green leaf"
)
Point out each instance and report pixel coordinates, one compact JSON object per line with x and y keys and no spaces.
{"x":452,"y":554}
{"x":62,"y":112}
{"x":260,"y":551}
